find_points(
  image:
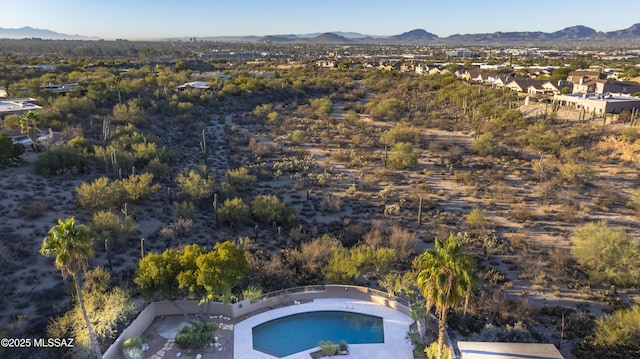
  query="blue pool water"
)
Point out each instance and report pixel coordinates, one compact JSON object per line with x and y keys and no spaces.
{"x":298,"y":332}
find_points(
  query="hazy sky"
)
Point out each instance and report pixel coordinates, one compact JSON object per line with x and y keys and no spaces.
{"x":142,"y":19}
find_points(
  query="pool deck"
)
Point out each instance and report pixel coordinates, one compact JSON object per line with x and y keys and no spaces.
{"x":396,"y":326}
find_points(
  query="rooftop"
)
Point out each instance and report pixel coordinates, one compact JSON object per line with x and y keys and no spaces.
{"x":609,"y":97}
{"x":490,"y":350}
{"x":17,"y":105}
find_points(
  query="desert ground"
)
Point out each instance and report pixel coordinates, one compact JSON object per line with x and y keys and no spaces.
{"x":530,"y":223}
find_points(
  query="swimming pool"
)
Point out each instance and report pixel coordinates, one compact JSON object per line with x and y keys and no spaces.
{"x":298,"y":332}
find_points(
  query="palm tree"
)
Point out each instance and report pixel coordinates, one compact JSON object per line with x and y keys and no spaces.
{"x":446,"y":279}
{"x":29,"y":125}
{"x":71,"y":245}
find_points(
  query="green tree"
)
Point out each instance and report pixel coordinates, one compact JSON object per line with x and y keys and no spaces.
{"x":446,"y":278}
{"x":322,"y":106}
{"x":9,"y":150}
{"x":402,"y":156}
{"x":401,"y":133}
{"x":139,"y":187}
{"x":61,"y":159}
{"x":110,"y":226}
{"x":485,"y":144}
{"x":99,"y":195}
{"x":131,"y":112}
{"x":156,"y":275}
{"x":71,"y":245}
{"x":346,"y":265}
{"x":233,"y":212}
{"x":29,"y":123}
{"x":221,"y":269}
{"x":621,"y":328}
{"x":608,"y":255}
{"x":267,"y":208}
{"x":241,"y":178}
{"x":196,"y":185}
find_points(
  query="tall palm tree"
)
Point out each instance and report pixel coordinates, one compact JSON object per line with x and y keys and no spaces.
{"x":446,"y":279}
{"x":29,"y":125}
{"x":70,"y":244}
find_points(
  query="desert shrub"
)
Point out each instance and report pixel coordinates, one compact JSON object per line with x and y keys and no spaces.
{"x":131,"y":112}
{"x":433,"y":352}
{"x":313,"y":255}
{"x":137,"y":188}
{"x":494,"y":276}
{"x":9,"y":150}
{"x":228,"y":191}
{"x":402,"y":156}
{"x":620,"y":328}
{"x":108,"y":225}
{"x":240,"y":177}
{"x":233,"y":212}
{"x":509,"y":120}
{"x":520,"y":212}
{"x":262,"y":110}
{"x":300,"y":163}
{"x":269,"y":208}
{"x":402,"y":241}
{"x":184,"y":209}
{"x":196,"y":336}
{"x":298,"y":136}
{"x":322,"y":106}
{"x":375,"y":238}
{"x":81,"y":144}
{"x":180,"y":228}
{"x":11,"y":121}
{"x":157,"y":168}
{"x":99,"y":195}
{"x":392,"y":209}
{"x":576,"y":173}
{"x":60,"y":159}
{"x":34,"y":209}
{"x":260,"y":149}
{"x":608,"y":255}
{"x":477,"y":219}
{"x":630,"y":134}
{"x":132,"y":348}
{"x":107,"y":308}
{"x":401,"y":133}
{"x":634,"y":201}
{"x":197,"y":185}
{"x":252,"y":292}
{"x":485,"y":144}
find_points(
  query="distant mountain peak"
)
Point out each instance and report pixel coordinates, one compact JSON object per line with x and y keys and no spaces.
{"x":415,"y":35}
{"x":329,"y":37}
{"x":30,"y":32}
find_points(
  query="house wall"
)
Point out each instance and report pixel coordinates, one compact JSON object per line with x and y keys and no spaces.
{"x":599,"y":106}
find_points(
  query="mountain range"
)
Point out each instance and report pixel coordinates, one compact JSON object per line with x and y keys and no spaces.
{"x":417,"y":36}
{"x":29,"y":32}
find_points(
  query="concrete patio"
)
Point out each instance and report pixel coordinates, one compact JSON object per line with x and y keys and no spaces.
{"x":396,"y":326}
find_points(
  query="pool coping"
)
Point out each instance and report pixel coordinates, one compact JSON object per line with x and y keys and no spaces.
{"x":396,"y":325}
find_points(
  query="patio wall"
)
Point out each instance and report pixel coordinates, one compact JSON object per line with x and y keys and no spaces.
{"x":247,"y":308}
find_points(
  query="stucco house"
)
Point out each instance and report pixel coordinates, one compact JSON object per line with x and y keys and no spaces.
{"x":521,"y":84}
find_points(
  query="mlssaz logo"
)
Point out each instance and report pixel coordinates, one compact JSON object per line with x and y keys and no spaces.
{"x":54,"y":342}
